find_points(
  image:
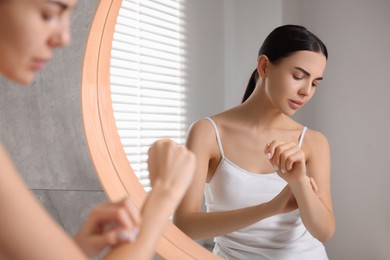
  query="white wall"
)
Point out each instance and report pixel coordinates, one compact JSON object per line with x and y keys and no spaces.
{"x":205,"y":50}
{"x":247,"y":23}
{"x":351,"y":106}
{"x":222,"y":44}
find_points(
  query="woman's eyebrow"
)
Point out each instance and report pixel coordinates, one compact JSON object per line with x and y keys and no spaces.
{"x":306,"y":72}
{"x":62,"y":5}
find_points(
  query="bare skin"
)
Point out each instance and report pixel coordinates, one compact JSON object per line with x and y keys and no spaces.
{"x":260,"y":137}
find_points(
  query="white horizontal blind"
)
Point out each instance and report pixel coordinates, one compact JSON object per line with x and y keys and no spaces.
{"x":147,"y":77}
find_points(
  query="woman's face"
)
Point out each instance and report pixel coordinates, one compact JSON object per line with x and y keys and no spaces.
{"x":29,"y":30}
{"x":292,"y":83}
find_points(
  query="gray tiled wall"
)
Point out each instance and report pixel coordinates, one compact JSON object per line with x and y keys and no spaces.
{"x":41,"y":127}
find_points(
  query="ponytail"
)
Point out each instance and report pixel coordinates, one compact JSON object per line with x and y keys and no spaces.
{"x":251,"y":85}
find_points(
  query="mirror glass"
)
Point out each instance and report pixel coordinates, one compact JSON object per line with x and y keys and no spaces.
{"x":221,"y":39}
{"x":107,"y":150}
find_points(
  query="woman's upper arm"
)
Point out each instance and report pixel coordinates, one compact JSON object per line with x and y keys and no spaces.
{"x":200,"y":140}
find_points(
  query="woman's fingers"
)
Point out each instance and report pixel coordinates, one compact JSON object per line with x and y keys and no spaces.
{"x":133,"y":213}
{"x":273,"y":154}
{"x":284,"y":202}
{"x":314,"y":186}
{"x":172,"y":164}
{"x":108,"y":224}
{"x":287,"y":158}
{"x":294,"y":158}
{"x":111,"y":238}
{"x":122,"y":213}
{"x":283,"y":155}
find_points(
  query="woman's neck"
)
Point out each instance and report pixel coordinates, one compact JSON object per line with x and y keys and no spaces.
{"x":259,"y":110}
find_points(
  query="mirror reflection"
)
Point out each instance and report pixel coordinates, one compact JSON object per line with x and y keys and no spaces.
{"x":147,"y":77}
{"x":221,"y":40}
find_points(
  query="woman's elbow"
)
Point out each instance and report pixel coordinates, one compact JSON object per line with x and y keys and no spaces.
{"x":183,"y":224}
{"x":326,"y":235}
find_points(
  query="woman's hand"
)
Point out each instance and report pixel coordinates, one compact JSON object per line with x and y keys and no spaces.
{"x":288,"y":160}
{"x":171,"y":166}
{"x":284,"y":202}
{"x":108,"y":225}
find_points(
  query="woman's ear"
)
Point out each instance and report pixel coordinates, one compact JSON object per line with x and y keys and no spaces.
{"x":262,"y":66}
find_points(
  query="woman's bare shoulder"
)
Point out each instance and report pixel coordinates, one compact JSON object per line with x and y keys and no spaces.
{"x":201,"y":127}
{"x":315,"y":142}
{"x":201,"y":138}
{"x":206,"y":126}
{"x":316,"y":137}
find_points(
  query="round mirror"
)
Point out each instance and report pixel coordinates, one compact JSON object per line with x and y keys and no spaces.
{"x":107,"y":151}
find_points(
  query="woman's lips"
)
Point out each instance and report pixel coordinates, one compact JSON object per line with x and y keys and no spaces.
{"x":39,"y":64}
{"x":295,"y":104}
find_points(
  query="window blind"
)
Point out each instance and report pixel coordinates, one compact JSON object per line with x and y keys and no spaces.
{"x":147,"y":78}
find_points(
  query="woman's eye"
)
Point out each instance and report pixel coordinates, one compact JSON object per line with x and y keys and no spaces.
{"x":297,"y":78}
{"x":50,"y":13}
{"x":47,"y":16}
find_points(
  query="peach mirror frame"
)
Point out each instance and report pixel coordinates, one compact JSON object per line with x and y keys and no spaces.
{"x":110,"y":161}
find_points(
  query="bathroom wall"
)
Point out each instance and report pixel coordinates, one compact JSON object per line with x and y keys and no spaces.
{"x":41,"y":127}
{"x":204,"y":44}
{"x":351,"y":107}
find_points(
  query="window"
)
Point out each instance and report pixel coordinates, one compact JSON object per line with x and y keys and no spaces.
{"x":111,"y":162}
{"x":147,"y":77}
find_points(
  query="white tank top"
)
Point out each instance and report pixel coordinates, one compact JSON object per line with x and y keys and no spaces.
{"x":281,"y":237}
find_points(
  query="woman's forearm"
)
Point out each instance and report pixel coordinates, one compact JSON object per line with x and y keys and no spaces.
{"x":201,"y":225}
{"x":316,"y":217}
{"x":171,"y":170}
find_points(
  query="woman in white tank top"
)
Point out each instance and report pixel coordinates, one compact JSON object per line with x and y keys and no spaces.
{"x":265,"y":177}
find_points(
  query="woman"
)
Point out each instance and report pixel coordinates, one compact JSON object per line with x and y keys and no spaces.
{"x":266,"y":177}
{"x":29,"y":30}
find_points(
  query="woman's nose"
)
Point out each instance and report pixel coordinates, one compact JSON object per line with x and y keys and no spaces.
{"x":305,"y":90}
{"x":60,"y":37}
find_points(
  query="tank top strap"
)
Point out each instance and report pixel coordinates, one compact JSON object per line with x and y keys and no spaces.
{"x":217,"y":135}
{"x":301,"y":136}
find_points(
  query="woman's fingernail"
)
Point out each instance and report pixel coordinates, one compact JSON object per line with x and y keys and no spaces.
{"x":283,"y":171}
{"x":266,"y":147}
{"x":126,"y":236}
{"x":276,"y":167}
{"x":134,"y":234}
{"x":269,"y":156}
